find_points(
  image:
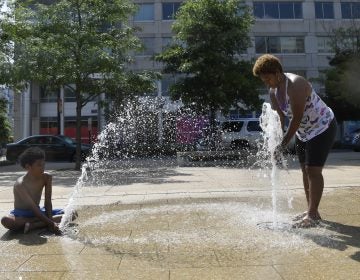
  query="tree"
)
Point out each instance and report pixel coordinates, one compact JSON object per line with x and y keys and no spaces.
{"x":343,"y":92}
{"x":210,"y":36}
{"x":5,"y":128}
{"x":80,"y":44}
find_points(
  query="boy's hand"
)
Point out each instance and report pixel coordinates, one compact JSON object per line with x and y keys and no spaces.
{"x":54,"y":227}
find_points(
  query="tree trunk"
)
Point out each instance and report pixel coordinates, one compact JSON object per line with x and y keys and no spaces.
{"x":78,"y":129}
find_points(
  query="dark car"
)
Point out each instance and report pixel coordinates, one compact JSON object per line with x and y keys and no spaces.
{"x":356,"y":142}
{"x":56,"y":147}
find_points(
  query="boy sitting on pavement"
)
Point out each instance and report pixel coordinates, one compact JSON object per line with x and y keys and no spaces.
{"x":27,"y":214}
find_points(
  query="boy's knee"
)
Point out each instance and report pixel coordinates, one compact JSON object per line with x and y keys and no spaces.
{"x":7,"y":222}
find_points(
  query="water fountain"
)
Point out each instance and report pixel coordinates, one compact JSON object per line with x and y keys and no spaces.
{"x":175,"y":218}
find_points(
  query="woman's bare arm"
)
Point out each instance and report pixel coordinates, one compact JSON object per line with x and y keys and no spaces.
{"x":300,"y":90}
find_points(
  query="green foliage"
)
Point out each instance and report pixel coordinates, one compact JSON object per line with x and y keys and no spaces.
{"x":85,"y":43}
{"x":5,"y":128}
{"x":342,"y":79}
{"x":210,"y":36}
{"x":81,"y":44}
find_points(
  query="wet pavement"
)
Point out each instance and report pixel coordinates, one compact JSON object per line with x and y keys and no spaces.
{"x":154,"y":220}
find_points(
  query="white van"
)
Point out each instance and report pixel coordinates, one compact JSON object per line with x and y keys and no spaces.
{"x":244,"y":134}
{"x":240,"y":133}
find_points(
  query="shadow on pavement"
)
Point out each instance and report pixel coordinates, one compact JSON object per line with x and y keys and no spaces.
{"x":343,"y":237}
{"x":29,"y":239}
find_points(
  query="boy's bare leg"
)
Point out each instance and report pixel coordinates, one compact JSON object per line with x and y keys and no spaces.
{"x":19,"y":223}
{"x":16,"y":223}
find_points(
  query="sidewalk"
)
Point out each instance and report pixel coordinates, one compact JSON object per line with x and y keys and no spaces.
{"x":160,"y":221}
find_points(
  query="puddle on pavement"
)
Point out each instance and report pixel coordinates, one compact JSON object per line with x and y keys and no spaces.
{"x":191,"y":224}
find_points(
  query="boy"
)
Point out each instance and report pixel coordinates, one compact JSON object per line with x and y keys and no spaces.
{"x":27,"y":214}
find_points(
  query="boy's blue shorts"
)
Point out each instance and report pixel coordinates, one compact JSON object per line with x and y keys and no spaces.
{"x":30,"y":214}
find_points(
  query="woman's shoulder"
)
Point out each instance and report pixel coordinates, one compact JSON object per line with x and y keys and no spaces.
{"x":297,"y":82}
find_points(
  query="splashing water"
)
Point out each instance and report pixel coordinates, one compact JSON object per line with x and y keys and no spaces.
{"x":132,"y":132}
{"x":272,"y":133}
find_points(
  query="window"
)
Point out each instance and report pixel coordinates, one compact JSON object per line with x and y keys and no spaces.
{"x":253,"y":126}
{"x":169,"y":10}
{"x":47,"y":95}
{"x":324,"y":10}
{"x":350,"y":10}
{"x":277,"y":10}
{"x":276,"y":44}
{"x":48,"y":125}
{"x":145,"y":12}
{"x":166,"y":41}
{"x":324,"y":45}
{"x":148,"y":46}
{"x":232,"y":126}
{"x":69,"y":94}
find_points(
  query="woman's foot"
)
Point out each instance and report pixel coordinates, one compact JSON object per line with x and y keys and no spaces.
{"x":301,"y":216}
{"x":307,"y":222}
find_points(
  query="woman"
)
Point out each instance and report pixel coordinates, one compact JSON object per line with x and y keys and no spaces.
{"x":311,"y":120}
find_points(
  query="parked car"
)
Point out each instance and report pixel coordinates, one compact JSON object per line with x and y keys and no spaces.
{"x":245,"y":133}
{"x":56,"y":147}
{"x":355,"y":143}
{"x":240,"y":133}
{"x":347,"y":140}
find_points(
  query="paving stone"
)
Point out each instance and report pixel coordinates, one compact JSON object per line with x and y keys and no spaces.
{"x":240,"y":273}
{"x":31,"y":275}
{"x":317,"y":271}
{"x":71,"y":262}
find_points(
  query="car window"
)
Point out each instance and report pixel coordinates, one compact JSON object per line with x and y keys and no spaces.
{"x":56,"y":140}
{"x":232,"y":126}
{"x":69,"y":140}
{"x":34,"y":141}
{"x":253,"y":126}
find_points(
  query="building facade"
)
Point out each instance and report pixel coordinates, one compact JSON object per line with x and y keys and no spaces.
{"x":298,"y":32}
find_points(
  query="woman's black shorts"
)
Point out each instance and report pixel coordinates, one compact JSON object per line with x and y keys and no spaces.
{"x":315,"y":151}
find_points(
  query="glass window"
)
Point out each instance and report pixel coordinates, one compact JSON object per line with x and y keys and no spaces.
{"x":260,"y":45}
{"x":166,"y":41}
{"x":145,"y":12}
{"x":277,"y":10}
{"x":345,"y":10}
{"x":324,"y":10}
{"x":355,"y":10}
{"x":298,"y":10}
{"x":253,"y":126}
{"x":286,"y":10}
{"x":259,"y":9}
{"x":273,"y":45}
{"x":47,"y":95}
{"x":169,"y":10}
{"x":324,"y":45}
{"x":148,"y":46}
{"x":232,"y":126}
{"x":271,"y":10}
{"x":69,"y":95}
{"x":328,"y":8}
{"x":276,"y":44}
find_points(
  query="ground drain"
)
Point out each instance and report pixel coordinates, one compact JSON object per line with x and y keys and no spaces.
{"x":278,"y":226}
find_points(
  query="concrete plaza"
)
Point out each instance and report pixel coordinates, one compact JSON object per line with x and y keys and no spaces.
{"x":154,"y":220}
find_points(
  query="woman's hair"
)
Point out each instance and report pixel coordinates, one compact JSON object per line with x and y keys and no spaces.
{"x":30,"y":155}
{"x":267,"y":64}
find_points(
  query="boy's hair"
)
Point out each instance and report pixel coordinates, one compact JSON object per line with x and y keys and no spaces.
{"x":30,"y":155}
{"x":267,"y":64}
